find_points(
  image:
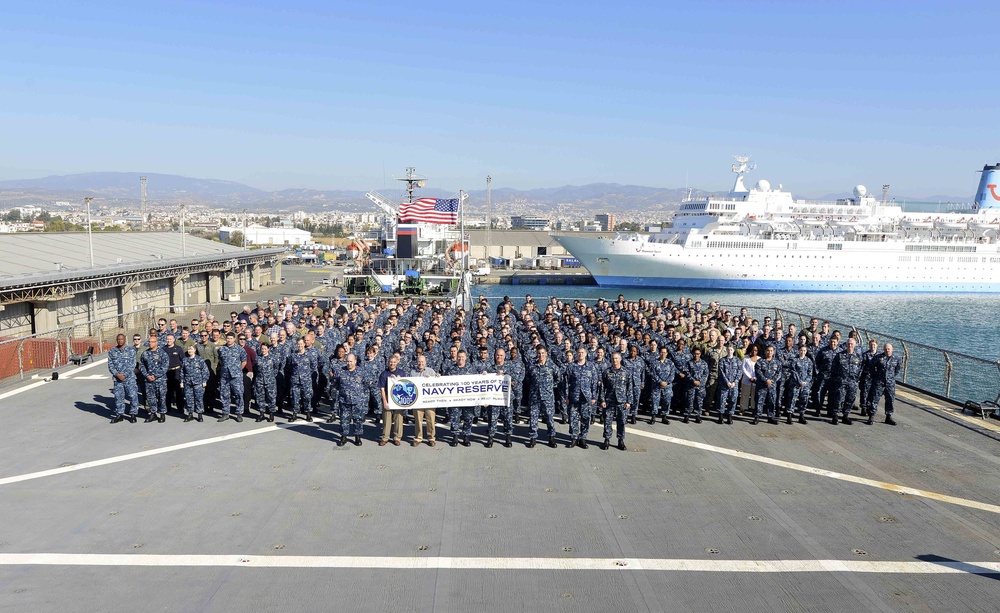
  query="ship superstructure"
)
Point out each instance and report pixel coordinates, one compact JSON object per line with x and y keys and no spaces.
{"x":761,"y":238}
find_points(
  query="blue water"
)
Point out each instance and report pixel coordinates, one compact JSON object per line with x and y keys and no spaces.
{"x":967,"y":323}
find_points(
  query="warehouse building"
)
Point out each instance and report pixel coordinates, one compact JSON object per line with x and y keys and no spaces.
{"x":47,"y":280}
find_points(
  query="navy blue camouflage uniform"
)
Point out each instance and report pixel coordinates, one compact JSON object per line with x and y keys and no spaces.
{"x":299,"y":369}
{"x":886,"y":368}
{"x":155,"y":362}
{"x":767,"y":395}
{"x":122,"y":362}
{"x":351,"y":392}
{"x":615,"y":392}
{"x":844,"y":382}
{"x":544,"y":378}
{"x":695,"y":371}
{"x":231,"y":361}
{"x":660,"y":372}
{"x":265,"y":383}
{"x":194,"y":376}
{"x":800,"y":378}
{"x":583,"y":389}
{"x":730,"y":371}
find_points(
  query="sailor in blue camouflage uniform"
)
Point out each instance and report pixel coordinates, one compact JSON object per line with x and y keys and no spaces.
{"x":886,"y":368}
{"x":824,"y":370}
{"x":350,"y":386}
{"x":232,"y":359}
{"x":299,"y":369}
{"x":582,"y":384}
{"x":661,"y":374}
{"x":544,"y":375}
{"x":767,"y":372}
{"x":844,"y":382}
{"x":800,"y":376}
{"x":501,"y":367}
{"x":194,"y":378}
{"x":867,"y":376}
{"x":153,"y":365}
{"x":460,"y":417}
{"x":730,"y":375}
{"x":121,"y":365}
{"x":371,"y":367}
{"x":615,"y":395}
{"x":517,"y":374}
{"x":696,"y":374}
{"x":265,"y":383}
{"x":637,"y":367}
{"x":785,"y":354}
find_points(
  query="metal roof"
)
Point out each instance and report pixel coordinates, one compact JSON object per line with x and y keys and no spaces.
{"x":49,"y":252}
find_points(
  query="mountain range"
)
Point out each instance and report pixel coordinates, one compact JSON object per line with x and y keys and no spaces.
{"x":122,"y":189}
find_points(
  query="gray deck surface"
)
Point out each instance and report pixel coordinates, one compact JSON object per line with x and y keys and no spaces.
{"x":289,"y":491}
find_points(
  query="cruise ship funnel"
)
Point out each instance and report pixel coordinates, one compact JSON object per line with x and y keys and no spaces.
{"x":988,"y":194}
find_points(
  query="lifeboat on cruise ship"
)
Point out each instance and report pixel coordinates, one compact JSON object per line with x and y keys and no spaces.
{"x":950,"y":224}
{"x":921,"y":224}
{"x":984,"y":224}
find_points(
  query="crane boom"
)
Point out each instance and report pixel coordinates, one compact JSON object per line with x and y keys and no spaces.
{"x":383,"y":203}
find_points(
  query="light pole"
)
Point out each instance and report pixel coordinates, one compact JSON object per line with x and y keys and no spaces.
{"x":244,"y":228}
{"x":90,"y":236}
{"x":183,"y":250}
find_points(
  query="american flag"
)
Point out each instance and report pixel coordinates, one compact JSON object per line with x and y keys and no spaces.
{"x":430,"y":210}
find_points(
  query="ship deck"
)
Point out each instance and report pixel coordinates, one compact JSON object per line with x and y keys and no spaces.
{"x":234,"y":517}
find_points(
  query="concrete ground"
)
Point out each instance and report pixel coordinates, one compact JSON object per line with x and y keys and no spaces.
{"x":268,"y":517}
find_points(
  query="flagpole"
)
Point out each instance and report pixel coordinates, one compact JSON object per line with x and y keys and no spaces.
{"x":461,"y":212}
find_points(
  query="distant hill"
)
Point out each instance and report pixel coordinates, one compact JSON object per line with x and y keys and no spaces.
{"x":164,"y":189}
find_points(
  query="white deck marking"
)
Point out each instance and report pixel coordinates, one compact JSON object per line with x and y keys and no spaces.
{"x":64,"y":375}
{"x":892,"y":487}
{"x":140,"y":454}
{"x":450,"y":563}
{"x":956,"y":412}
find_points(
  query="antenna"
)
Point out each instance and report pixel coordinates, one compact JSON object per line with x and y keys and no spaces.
{"x":741,"y":165}
{"x":142,"y":196}
{"x":413,"y":181}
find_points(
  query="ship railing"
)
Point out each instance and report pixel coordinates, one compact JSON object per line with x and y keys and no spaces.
{"x":942,"y":372}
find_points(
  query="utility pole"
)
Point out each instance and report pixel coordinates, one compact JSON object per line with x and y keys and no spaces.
{"x":90,"y":236}
{"x":244,"y":228}
{"x":183,"y":249}
{"x":489,"y":218}
{"x":142,"y":196}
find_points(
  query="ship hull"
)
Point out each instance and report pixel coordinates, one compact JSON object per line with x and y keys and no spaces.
{"x":807,"y":266}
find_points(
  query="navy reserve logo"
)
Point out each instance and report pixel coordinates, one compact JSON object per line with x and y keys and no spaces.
{"x":404,"y":393}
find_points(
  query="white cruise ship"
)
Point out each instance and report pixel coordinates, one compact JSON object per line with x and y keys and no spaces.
{"x":761,"y":238}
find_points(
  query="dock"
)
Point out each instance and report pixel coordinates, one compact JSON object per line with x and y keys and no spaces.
{"x":264,"y":517}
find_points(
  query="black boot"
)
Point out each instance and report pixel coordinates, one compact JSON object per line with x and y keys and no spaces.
{"x":465,"y":441}
{"x":508,"y":443}
{"x":772,"y":421}
{"x":131,"y":419}
{"x":802,"y":418}
{"x":150,"y":418}
{"x":631,"y":419}
{"x":889,"y":420}
{"x":531,"y":443}
{"x":583,"y":443}
{"x":835,"y":420}
{"x":664,"y":419}
{"x":342,"y":441}
{"x":270,"y":417}
{"x":847,"y":420}
{"x":697,"y":418}
{"x":454,"y":441}
{"x":571,"y":443}
{"x":685,"y":420}
{"x":259,"y":419}
{"x":729,"y":419}
{"x":329,"y":419}
{"x":621,"y":445}
{"x":357,"y":440}
{"x":293,"y":417}
{"x":720,"y":418}
{"x":225,"y":416}
{"x":870,"y":420}
{"x":309,"y":417}
{"x":652,"y":419}
{"x":552,"y":440}
{"x":489,"y":443}
{"x":188,"y":418}
{"x":788,"y":418}
{"x":239,"y":419}
{"x":199,"y":417}
{"x":754,"y":421}
{"x":606,"y":444}
{"x":116,"y":419}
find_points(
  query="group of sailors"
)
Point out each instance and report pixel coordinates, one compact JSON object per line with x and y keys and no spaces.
{"x":606,"y":362}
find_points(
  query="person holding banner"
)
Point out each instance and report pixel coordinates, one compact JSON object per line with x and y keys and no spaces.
{"x":390,"y":418}
{"x":421,"y":415}
{"x":500,"y":367}
{"x":544,"y":376}
{"x":461,"y":417}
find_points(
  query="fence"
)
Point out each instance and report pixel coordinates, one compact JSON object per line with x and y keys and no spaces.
{"x":19,"y":357}
{"x":948,"y":374}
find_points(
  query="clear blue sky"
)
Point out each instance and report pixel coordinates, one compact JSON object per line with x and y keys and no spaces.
{"x":338,"y":95}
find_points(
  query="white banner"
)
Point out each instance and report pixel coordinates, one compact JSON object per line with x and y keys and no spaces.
{"x":457,"y":391}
